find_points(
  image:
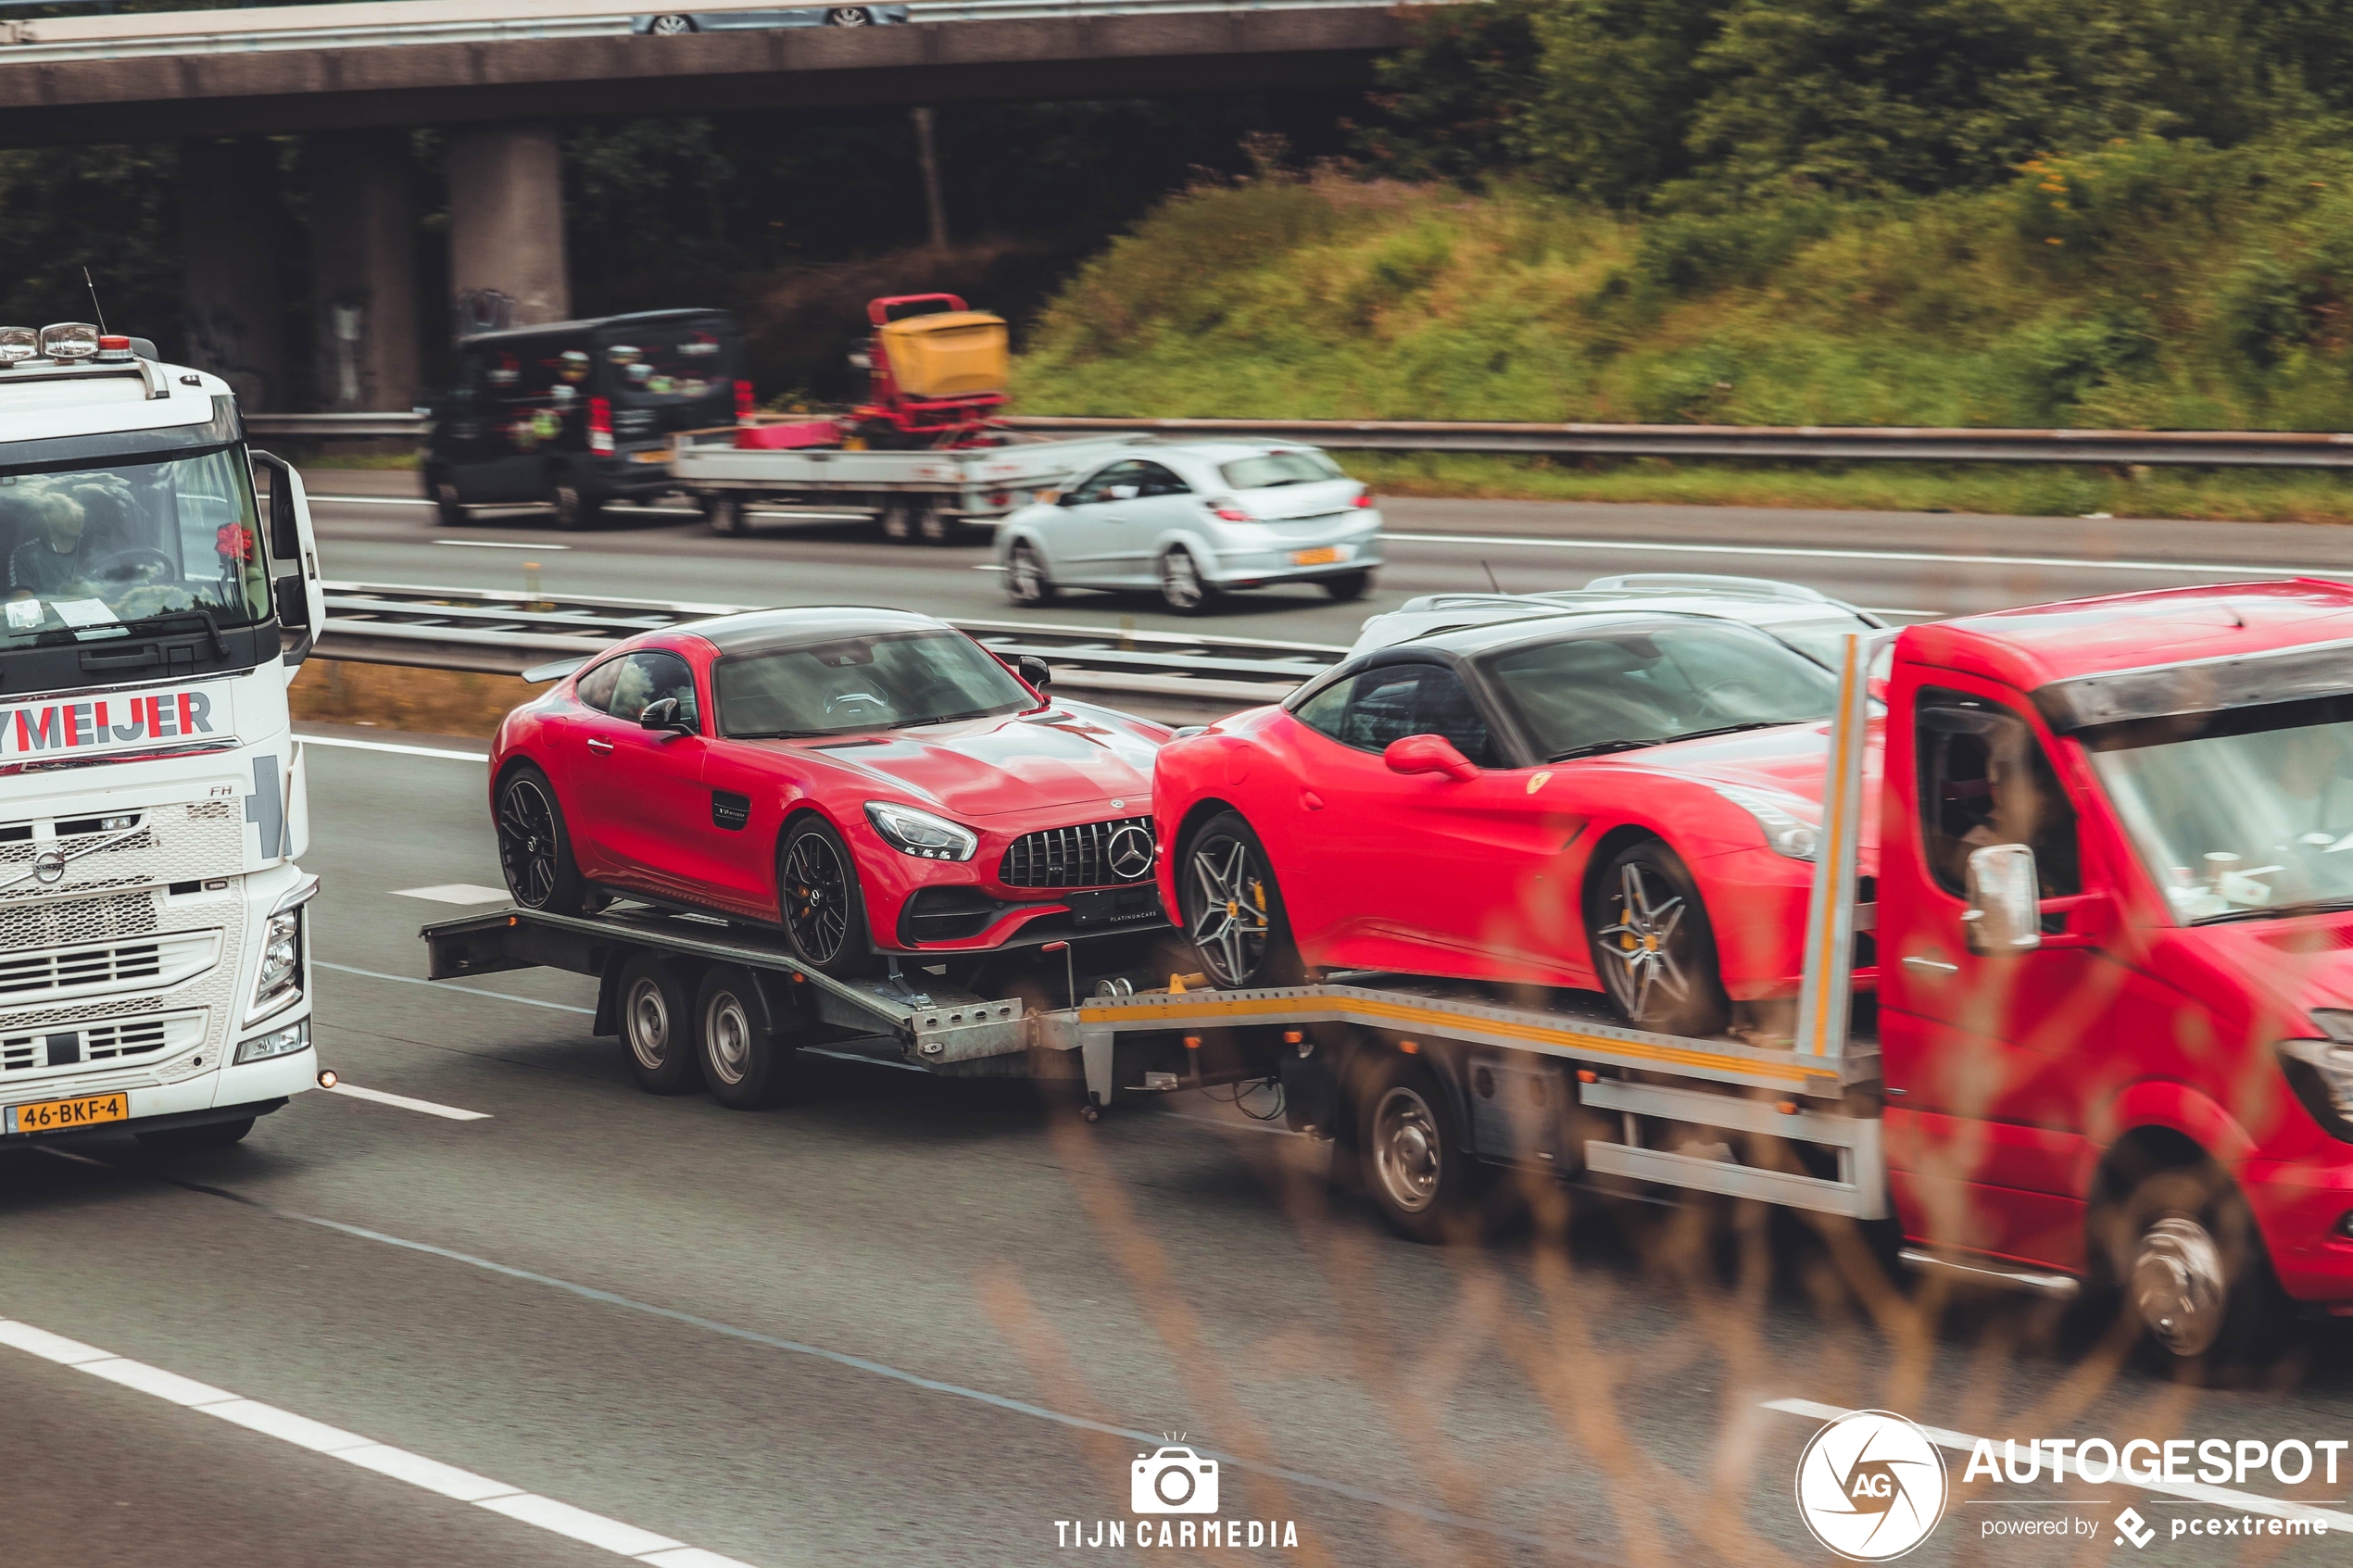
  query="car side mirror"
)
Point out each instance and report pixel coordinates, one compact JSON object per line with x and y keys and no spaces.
{"x":1428,"y":754}
{"x":1035,"y":671}
{"x":2005,"y":913}
{"x":1070,"y":498}
{"x":1124,"y":493}
{"x":663,"y":714}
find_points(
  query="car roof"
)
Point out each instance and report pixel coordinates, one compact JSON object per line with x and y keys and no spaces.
{"x":1221,"y":451}
{"x":768,"y":630}
{"x":1752,"y":600}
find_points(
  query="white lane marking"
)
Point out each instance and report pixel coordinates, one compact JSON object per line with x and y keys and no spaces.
{"x":1638,"y":546}
{"x":454,"y":893}
{"x":2196,"y":1491}
{"x":460,"y":990}
{"x":430,"y":1475}
{"x":402,"y":750}
{"x":377,"y":500}
{"x":449,"y":1112}
{"x":496,"y":545}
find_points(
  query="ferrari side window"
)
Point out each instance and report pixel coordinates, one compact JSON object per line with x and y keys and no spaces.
{"x":645,"y":678}
{"x":1415,"y":699}
{"x":595,"y":689}
{"x":1327,"y":712}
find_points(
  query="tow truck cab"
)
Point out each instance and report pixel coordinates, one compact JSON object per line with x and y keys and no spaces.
{"x":155,"y":969}
{"x":2115,"y":926}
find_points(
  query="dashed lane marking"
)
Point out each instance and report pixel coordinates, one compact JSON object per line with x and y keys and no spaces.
{"x":426,"y":1474}
{"x":496,"y":545}
{"x":451,"y":987}
{"x":423,"y":1107}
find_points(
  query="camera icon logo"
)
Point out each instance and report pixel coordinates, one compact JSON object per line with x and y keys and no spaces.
{"x":1172,"y":1481}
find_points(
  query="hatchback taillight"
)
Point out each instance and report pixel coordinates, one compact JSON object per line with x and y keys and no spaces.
{"x":599,"y":424}
{"x":743,"y":402}
{"x":1364,"y":498}
{"x":1233,"y":514}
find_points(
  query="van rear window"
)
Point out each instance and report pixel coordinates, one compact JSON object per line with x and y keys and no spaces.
{"x":670,"y":363}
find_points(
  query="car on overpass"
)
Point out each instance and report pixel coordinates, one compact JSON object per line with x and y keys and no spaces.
{"x":663,"y":24}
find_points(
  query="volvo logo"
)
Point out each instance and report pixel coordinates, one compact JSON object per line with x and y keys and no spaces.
{"x":49,"y":867}
{"x":1130,"y":853}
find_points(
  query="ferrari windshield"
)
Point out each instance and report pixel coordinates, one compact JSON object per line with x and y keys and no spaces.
{"x":1614,"y":689}
{"x":2240,"y":813}
{"x":887,"y":681}
{"x":94,"y":551}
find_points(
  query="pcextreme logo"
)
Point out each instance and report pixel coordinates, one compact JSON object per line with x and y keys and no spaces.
{"x":1871,"y":1486}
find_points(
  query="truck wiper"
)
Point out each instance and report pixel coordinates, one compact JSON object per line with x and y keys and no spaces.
{"x":2276,"y":912}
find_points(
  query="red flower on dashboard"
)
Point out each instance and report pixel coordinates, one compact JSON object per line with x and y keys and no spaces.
{"x":234,"y":542}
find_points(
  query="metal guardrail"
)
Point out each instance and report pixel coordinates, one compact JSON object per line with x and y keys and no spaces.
{"x":2214,"y":449}
{"x":498,"y":632}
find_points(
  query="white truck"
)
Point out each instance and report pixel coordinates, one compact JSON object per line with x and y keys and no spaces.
{"x":154,"y":964}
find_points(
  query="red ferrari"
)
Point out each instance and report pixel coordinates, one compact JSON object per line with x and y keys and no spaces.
{"x":1625,"y":803}
{"x":876,"y":782}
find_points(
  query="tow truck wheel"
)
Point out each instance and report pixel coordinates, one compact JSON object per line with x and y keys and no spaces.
{"x":2185,"y":1252}
{"x":195,"y":1140}
{"x":897,"y":522}
{"x":535,"y":849}
{"x":746,"y":1067}
{"x":1233,"y":909}
{"x":1652,"y":944}
{"x":936,"y":527}
{"x":656,"y":1012}
{"x":724,"y":513}
{"x":1025,"y":580}
{"x":822,"y":908}
{"x":1415,"y":1166}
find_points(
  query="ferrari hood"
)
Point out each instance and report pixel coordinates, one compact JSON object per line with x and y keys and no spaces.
{"x":986,"y":767}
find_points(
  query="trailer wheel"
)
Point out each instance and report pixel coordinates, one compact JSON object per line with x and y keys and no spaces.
{"x":195,"y":1140}
{"x":2183,"y":1249}
{"x":1415,"y":1166}
{"x":746,"y":1067}
{"x":534,"y":847}
{"x":896,"y":522}
{"x":657,"y":1024}
{"x":1652,"y":944}
{"x":937,"y":527}
{"x":822,"y":908}
{"x":724,"y":513}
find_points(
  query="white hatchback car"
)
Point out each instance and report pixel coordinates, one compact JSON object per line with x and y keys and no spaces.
{"x":1195,"y":521}
{"x":1797,"y":617}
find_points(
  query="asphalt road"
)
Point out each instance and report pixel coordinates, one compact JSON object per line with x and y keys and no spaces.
{"x":374,"y":529}
{"x":911,"y":1322}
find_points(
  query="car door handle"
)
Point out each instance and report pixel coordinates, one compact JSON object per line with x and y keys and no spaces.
{"x":600,"y":746}
{"x":1930,"y":966}
{"x":1310,"y":799}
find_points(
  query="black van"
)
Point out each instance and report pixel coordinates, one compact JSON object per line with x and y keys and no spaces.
{"x":580,"y":413}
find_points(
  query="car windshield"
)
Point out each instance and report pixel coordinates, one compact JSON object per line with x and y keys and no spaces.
{"x":2240,"y":813}
{"x":94,"y":551}
{"x":1277,"y":468}
{"x":1614,"y":690}
{"x":1822,"y":640}
{"x":885,"y":682}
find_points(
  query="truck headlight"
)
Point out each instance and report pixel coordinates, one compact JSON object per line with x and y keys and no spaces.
{"x":2321,"y":1072}
{"x":292,"y":1040}
{"x":920,"y":833}
{"x":1788,"y":835}
{"x":280,"y":980}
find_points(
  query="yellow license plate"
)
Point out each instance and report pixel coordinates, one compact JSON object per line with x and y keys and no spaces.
{"x":1323,"y":556}
{"x":57,"y":1115}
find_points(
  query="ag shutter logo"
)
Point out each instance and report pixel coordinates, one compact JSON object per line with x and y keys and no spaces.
{"x":1872,"y":1486}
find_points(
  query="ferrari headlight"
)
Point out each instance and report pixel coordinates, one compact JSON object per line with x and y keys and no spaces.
{"x":1788,"y":835}
{"x":280,"y":980}
{"x":920,"y":833}
{"x":2321,"y":1071}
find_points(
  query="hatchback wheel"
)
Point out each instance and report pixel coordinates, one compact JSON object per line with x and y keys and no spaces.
{"x":1652,"y":945}
{"x":1349,"y":586}
{"x":1233,"y":910}
{"x":819,"y":899}
{"x":1182,"y":587}
{"x":1025,"y":580}
{"x":534,"y":850}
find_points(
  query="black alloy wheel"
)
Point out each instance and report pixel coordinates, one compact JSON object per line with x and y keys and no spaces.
{"x":820,"y":902}
{"x":669,"y":24}
{"x":1233,"y":910}
{"x":535,"y":851}
{"x":655,"y":999}
{"x":1026,"y":583}
{"x":1652,"y":943}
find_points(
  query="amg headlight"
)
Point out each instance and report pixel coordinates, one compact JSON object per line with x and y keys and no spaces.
{"x":280,"y":980}
{"x":920,"y":833}
{"x":1788,"y":835}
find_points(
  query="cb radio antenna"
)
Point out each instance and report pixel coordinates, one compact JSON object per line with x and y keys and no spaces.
{"x":94,"y":306}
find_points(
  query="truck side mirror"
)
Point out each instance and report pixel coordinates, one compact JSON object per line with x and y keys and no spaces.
{"x":2005,"y":913}
{"x":285,"y":537}
{"x":293,"y":602}
{"x":1428,"y":754}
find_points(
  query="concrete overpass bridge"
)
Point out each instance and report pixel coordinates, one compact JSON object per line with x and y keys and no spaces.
{"x":497,"y":73}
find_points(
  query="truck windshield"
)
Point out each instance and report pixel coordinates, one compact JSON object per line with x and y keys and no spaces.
{"x":91,"y":552}
{"x":885,"y":682}
{"x":2241,"y":813}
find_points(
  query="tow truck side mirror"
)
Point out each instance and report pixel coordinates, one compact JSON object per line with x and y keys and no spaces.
{"x":2005,"y":913}
{"x":1428,"y":754}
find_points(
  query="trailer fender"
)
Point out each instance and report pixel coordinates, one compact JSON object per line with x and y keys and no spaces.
{"x":607,"y":1020}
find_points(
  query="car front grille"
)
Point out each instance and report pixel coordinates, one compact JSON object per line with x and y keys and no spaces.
{"x":1089,"y":855}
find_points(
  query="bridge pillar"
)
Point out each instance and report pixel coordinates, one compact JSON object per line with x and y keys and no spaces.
{"x":507,"y":226}
{"x":363,"y":246}
{"x":230,"y":223}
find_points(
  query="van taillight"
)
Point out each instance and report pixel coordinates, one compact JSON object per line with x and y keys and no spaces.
{"x":599,"y":424}
{"x":743,"y":402}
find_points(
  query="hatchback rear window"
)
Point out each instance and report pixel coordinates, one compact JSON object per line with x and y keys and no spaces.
{"x":1280,"y":468}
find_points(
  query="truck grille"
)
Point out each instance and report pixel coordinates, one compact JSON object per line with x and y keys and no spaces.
{"x":166,"y":960}
{"x":59,"y":922}
{"x":1090,"y":855}
{"x":117,"y":1041}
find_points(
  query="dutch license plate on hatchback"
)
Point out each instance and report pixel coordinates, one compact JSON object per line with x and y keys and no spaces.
{"x":59,"y":1115}
{"x":1323,"y":555}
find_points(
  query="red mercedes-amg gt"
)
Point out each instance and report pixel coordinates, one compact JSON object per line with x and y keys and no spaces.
{"x":876,"y":782}
{"x":1622,"y":802}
